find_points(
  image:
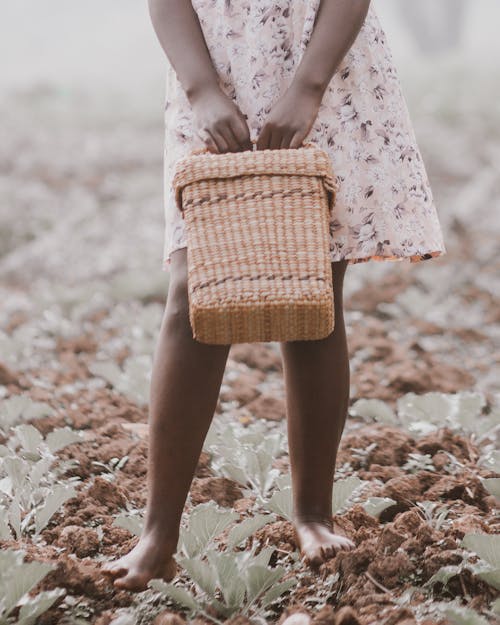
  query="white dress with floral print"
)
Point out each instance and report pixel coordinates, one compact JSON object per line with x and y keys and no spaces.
{"x":385,"y":208}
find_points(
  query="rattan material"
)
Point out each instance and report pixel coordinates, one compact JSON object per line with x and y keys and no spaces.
{"x":257,"y":231}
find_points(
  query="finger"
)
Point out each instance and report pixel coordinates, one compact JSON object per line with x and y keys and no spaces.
{"x":285,"y":140}
{"x":263,"y":139}
{"x":232,"y":139}
{"x":210,"y":143}
{"x":219,"y":141}
{"x":204,"y":135}
{"x":275,"y":140}
{"x":296,"y":140}
{"x":242,"y":135}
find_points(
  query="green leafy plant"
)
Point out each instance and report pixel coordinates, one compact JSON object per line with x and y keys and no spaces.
{"x":246,"y":455}
{"x":18,"y":409}
{"x":487,"y":547}
{"x":422,"y":414}
{"x":376,"y":505}
{"x":418,"y":462}
{"x":492,"y":485}
{"x":345,"y":491}
{"x":490,"y":459}
{"x":433,"y":512}
{"x":375,"y":409}
{"x":133,"y":380}
{"x":228,"y":581}
{"x":17,"y":578}
{"x":460,"y":615}
{"x":30,"y":489}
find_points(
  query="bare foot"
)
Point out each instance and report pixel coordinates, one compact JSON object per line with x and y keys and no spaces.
{"x":147,"y":560}
{"x":317,"y":541}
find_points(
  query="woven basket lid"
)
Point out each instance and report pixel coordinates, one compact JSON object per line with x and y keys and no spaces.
{"x":308,"y":160}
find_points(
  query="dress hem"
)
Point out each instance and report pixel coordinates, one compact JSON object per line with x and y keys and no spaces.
{"x":413,"y":258}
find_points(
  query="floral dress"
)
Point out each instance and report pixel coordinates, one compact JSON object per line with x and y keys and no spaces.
{"x":384,"y":208}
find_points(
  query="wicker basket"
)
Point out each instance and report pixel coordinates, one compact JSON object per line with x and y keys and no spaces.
{"x":257,"y":231}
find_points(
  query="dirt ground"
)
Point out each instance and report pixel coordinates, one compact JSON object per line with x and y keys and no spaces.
{"x":82,"y":234}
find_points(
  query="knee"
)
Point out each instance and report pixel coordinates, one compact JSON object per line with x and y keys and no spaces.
{"x":177,"y":306}
{"x":338,"y":273}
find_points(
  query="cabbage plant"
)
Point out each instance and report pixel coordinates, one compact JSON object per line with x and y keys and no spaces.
{"x":31,"y":490}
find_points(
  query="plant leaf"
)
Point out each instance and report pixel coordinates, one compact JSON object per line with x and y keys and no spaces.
{"x":17,"y":469}
{"x":29,"y":437}
{"x":36,"y":606}
{"x":131,"y":523}
{"x":5,"y":533}
{"x":263,"y":557}
{"x":284,"y":481}
{"x":342,"y":491}
{"x":490,"y":577}
{"x":444,"y":574}
{"x":39,"y":470}
{"x":487,"y":547}
{"x":17,"y":408}
{"x":492,"y":485}
{"x":55,"y":499}
{"x":259,"y":578}
{"x":15,"y":515}
{"x":60,"y":437}
{"x":246,"y":528}
{"x":181,"y":596}
{"x":229,"y":578}
{"x":373,"y":408}
{"x":14,"y":586}
{"x":201,"y":573}
{"x":464,"y":616}
{"x":277,"y":591}
{"x":108,"y":370}
{"x":206,"y":521}
{"x":281,"y":503}
{"x":233,"y":472}
{"x":376,"y":505}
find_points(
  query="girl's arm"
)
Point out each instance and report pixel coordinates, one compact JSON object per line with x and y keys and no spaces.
{"x":337,"y":25}
{"x":220,"y":123}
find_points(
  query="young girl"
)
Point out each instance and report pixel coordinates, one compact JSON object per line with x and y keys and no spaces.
{"x":281,"y":73}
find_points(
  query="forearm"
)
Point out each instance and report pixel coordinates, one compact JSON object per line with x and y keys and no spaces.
{"x":338,"y":23}
{"x":179,"y":32}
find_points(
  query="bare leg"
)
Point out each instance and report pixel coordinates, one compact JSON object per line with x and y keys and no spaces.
{"x":185,"y":386}
{"x":317,"y":381}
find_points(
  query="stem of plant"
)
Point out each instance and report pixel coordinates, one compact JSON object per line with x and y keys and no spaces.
{"x":212,"y":618}
{"x":245,"y":611}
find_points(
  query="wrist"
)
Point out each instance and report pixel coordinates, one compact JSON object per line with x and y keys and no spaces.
{"x":201,"y":89}
{"x":309,"y":85}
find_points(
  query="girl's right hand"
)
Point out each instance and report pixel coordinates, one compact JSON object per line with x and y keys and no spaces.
{"x":219,"y":121}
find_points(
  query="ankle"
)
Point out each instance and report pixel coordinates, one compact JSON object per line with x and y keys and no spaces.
{"x":162,"y":539}
{"x":304,"y":518}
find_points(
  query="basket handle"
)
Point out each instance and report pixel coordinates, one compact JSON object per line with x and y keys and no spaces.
{"x":203,"y":150}
{"x":328,"y":180}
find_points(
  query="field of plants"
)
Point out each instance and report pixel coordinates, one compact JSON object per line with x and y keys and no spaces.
{"x":418,"y":473}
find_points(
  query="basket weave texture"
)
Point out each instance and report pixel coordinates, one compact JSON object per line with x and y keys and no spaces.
{"x":257,"y":231}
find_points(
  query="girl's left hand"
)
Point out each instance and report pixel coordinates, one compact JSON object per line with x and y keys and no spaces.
{"x":290,"y":119}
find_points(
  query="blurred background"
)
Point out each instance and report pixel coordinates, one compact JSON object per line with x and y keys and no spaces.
{"x":82,"y":296}
{"x":81,"y":214}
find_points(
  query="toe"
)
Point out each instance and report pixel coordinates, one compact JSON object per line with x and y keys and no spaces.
{"x":313,"y":558}
{"x":114,"y":570}
{"x":348,"y":544}
{"x":329,"y":552}
{"x":133,"y":581}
